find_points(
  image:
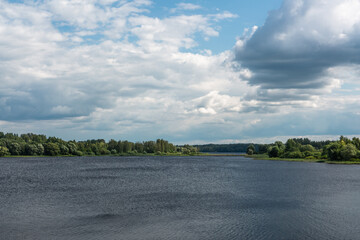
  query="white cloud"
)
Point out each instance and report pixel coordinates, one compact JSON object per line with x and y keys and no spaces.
{"x":188,"y":6}
{"x":185,"y":6}
{"x":170,"y":33}
{"x":223,"y":15}
{"x":112,"y":85}
{"x":213,"y":103}
{"x":114,"y":70}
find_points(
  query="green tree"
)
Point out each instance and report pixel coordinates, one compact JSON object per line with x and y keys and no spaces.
{"x":51,"y":149}
{"x":356,"y":142}
{"x":127,"y":146}
{"x":72,"y":147}
{"x":344,"y":140}
{"x":150,"y":146}
{"x":281,"y":147}
{"x":14,"y":148}
{"x":307,"y":148}
{"x":274,"y":151}
{"x":31,"y":149}
{"x":333,"y":151}
{"x":139,"y":147}
{"x":4,"y":151}
{"x":295,"y":154}
{"x":348,"y":152}
{"x":250,"y":149}
{"x":291,"y":146}
{"x":112,"y":145}
{"x":64,"y":150}
{"x":263,"y":148}
{"x":120,"y":147}
{"x":40,"y":149}
{"x":189,"y":150}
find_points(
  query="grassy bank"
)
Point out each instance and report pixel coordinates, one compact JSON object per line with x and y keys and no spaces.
{"x":221,"y":154}
{"x":266,"y":157}
{"x":113,"y":155}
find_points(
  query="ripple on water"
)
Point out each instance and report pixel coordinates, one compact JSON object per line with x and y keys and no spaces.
{"x":177,"y":198}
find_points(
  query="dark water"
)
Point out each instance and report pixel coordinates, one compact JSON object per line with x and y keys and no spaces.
{"x":177,"y":198}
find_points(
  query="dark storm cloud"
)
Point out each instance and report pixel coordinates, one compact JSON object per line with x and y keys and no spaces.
{"x":337,"y":122}
{"x":49,"y":101}
{"x":300,"y":42}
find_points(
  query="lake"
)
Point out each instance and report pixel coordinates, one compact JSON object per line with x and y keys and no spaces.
{"x":150,"y":197}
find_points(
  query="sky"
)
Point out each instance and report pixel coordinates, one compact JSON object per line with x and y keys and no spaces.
{"x":186,"y":71}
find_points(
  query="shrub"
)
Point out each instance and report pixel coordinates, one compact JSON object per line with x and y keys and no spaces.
{"x":14,"y":148}
{"x":250,"y":152}
{"x":4,"y":151}
{"x":78,"y":153}
{"x":295,"y":154}
{"x":274,"y":151}
{"x":250,"y":149}
{"x":51,"y":149}
{"x":348,"y":152}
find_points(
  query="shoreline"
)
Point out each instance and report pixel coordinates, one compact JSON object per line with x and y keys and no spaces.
{"x":253,"y":157}
{"x":265,"y":157}
{"x":110,"y":155}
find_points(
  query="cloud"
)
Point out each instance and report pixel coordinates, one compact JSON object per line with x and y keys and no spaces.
{"x":214,"y":103}
{"x":46,"y":74}
{"x":116,"y":71}
{"x":155,"y":34}
{"x":185,"y":6}
{"x":311,"y":122}
{"x":300,"y":43}
{"x":223,"y":15}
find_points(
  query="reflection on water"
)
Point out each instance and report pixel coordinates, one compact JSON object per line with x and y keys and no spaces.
{"x":213,"y":197}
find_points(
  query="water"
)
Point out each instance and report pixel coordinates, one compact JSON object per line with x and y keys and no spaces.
{"x":177,"y":198}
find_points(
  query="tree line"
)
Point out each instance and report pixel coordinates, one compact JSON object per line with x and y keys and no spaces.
{"x":37,"y":144}
{"x":234,"y":147}
{"x":344,"y":149}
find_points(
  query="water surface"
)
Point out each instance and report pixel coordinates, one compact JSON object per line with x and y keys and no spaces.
{"x":213,"y":197}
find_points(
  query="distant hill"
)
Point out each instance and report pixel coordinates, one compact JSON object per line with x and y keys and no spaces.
{"x":236,"y":147}
{"x":259,"y":148}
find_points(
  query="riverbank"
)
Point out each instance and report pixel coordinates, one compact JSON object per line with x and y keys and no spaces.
{"x":138,"y":155}
{"x":254,"y":157}
{"x":266,"y":157}
{"x":119,"y":155}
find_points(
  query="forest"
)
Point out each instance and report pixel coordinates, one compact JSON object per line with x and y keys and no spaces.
{"x":37,"y":145}
{"x":344,"y":149}
{"x":30,"y":144}
{"x":236,"y":147}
